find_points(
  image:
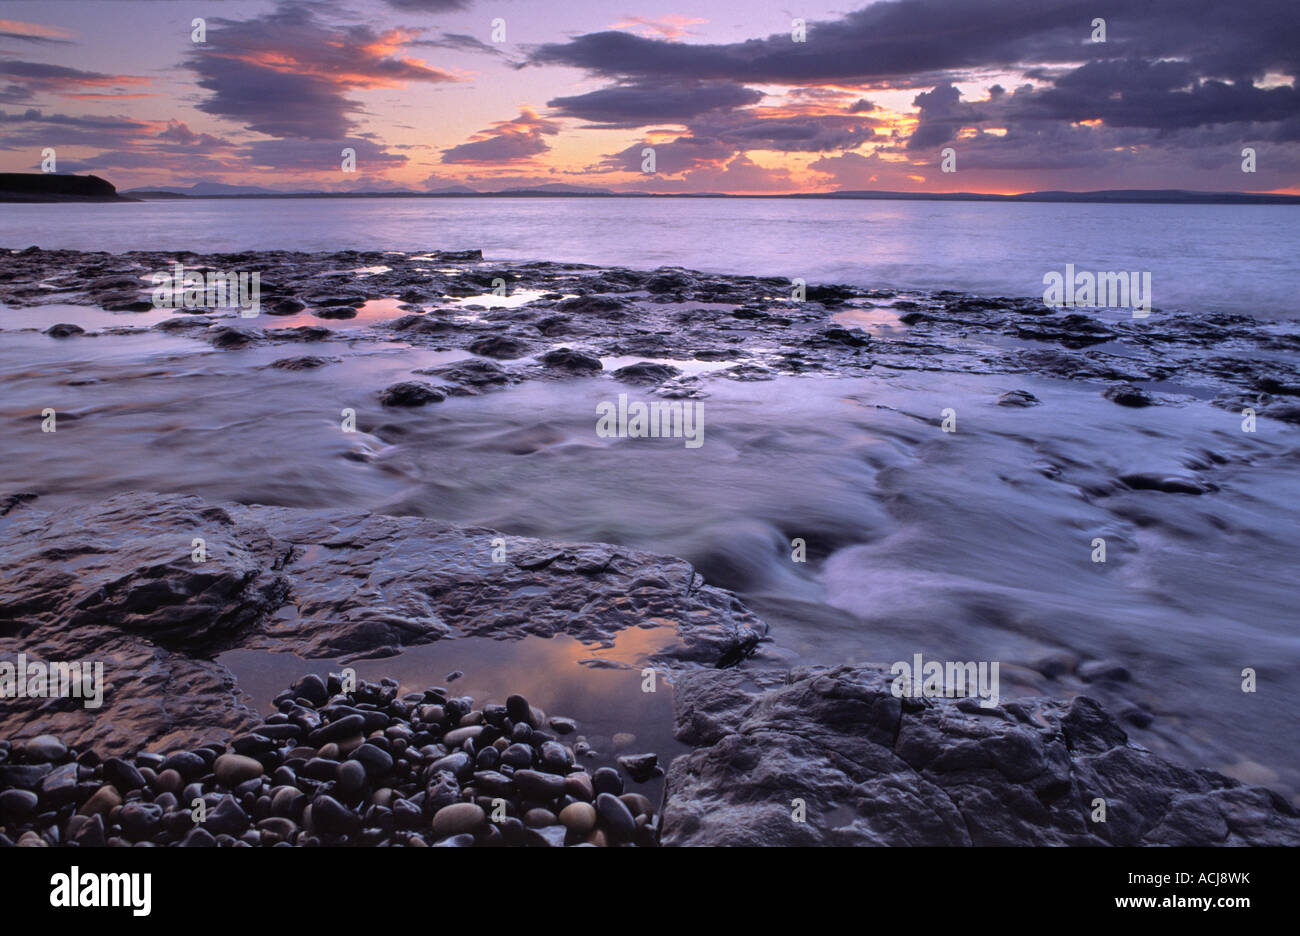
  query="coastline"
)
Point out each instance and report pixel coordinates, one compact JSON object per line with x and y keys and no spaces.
{"x":560,"y":324}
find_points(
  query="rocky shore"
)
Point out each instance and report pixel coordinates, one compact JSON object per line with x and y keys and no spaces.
{"x":809,"y":755}
{"x":336,"y":766}
{"x":541,"y":320}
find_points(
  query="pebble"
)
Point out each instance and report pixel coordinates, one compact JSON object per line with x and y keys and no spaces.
{"x":607,"y":780}
{"x":233,"y":769}
{"x":458,"y":818}
{"x":45,"y":749}
{"x":538,"y":818}
{"x":578,"y":818}
{"x":616,"y":816}
{"x":436,"y":766}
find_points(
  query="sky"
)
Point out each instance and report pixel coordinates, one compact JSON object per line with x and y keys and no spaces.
{"x":736,"y":96}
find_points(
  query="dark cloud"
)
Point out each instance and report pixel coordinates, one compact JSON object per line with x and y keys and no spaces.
{"x":640,"y":105}
{"x":28,"y":79}
{"x":1166,"y":64}
{"x":287,"y":74}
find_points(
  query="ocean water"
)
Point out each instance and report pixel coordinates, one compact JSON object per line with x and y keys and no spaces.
{"x":972,"y":547}
{"x":1201,"y":257}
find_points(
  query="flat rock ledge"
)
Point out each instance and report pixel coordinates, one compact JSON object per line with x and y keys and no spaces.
{"x":117,"y":582}
{"x":873,"y":769}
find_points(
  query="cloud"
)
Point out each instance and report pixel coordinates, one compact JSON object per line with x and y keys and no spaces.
{"x":287,"y":74}
{"x":670,"y":27}
{"x":506,"y":141}
{"x":639,"y":105}
{"x":430,"y":6}
{"x":28,"y":79}
{"x":34,"y":32}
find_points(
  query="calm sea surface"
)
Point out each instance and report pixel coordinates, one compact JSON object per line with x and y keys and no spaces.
{"x":1201,"y":257}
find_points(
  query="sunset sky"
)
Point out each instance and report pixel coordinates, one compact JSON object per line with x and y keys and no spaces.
{"x":720,"y":88}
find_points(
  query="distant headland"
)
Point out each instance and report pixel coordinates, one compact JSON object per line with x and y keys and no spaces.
{"x":52,"y":187}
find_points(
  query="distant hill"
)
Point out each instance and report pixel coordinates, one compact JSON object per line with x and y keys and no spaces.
{"x":202,"y":190}
{"x":52,"y":187}
{"x":556,"y":188}
{"x":1111,"y":196}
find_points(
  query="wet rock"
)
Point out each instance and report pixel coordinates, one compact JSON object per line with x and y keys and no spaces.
{"x":939,"y":773}
{"x":615,"y":816}
{"x":411,"y":393}
{"x":640,"y":767}
{"x":304,"y":362}
{"x":1129,"y":395}
{"x":64,"y":330}
{"x":458,"y":819}
{"x":44,"y":749}
{"x":570,"y":360}
{"x":233,"y":769}
{"x":646,"y":372}
{"x":501,"y":346}
{"x":1021,"y":398}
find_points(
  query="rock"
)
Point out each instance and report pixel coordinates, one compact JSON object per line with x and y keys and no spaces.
{"x":637,"y":804}
{"x":282,"y":305}
{"x":615,"y":816}
{"x":16,"y":806}
{"x":646,"y":372}
{"x":411,"y":393}
{"x":233,"y":769}
{"x":539,"y":787}
{"x":1129,"y":395}
{"x":578,"y":785}
{"x":1021,"y":398}
{"x":562,"y":726}
{"x":458,"y":819}
{"x":226,"y":818}
{"x":44,"y":749}
{"x":198,"y":837}
{"x":500,"y":346}
{"x":64,"y":330}
{"x":607,"y":780}
{"x":570,"y":360}
{"x":942,"y":773}
{"x":640,"y":767}
{"x":332,"y":817}
{"x":375,"y":760}
{"x":122,"y":775}
{"x":102,"y":800}
{"x":539,"y":818}
{"x":168,"y":617}
{"x":517,"y":755}
{"x":351,"y":776}
{"x":518,"y":709}
{"x":303,"y":362}
{"x":578,"y":818}
{"x":140,"y":820}
{"x":25,"y":776}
